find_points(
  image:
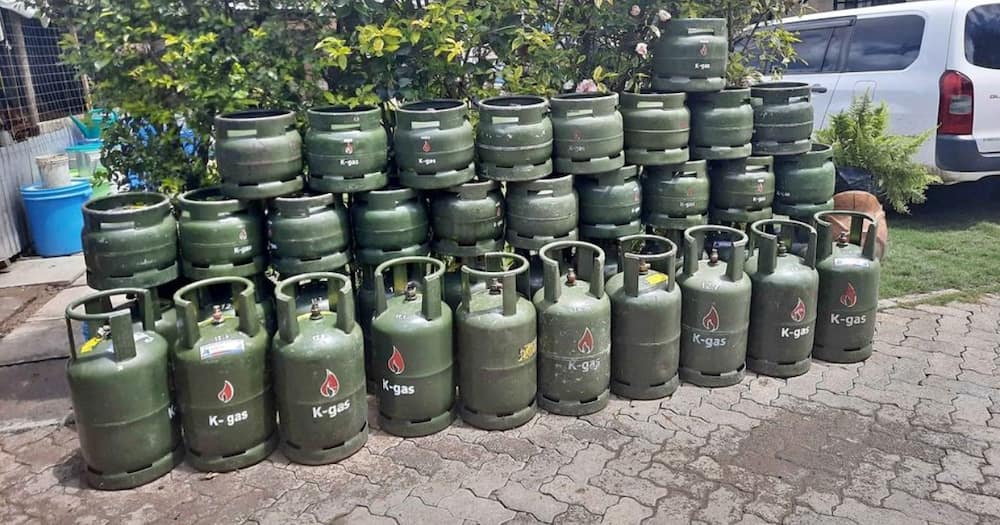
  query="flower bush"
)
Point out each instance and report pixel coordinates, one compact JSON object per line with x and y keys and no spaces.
{"x":171,"y":66}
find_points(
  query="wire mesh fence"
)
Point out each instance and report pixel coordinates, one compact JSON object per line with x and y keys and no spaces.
{"x":35,"y":85}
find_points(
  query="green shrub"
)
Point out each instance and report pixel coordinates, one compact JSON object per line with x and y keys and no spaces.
{"x":860,"y":138}
{"x":163,"y":63}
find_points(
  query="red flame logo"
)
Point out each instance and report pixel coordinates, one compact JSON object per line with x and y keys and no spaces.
{"x":586,"y":343}
{"x":711,"y":319}
{"x":690,"y":192}
{"x":330,"y":385}
{"x":348,"y":147}
{"x":396,"y":364}
{"x":799,"y":312}
{"x":704,"y":50}
{"x":227,"y":392}
{"x":576,"y":134}
{"x":427,"y":146}
{"x":850,"y":296}
{"x":760,"y":186}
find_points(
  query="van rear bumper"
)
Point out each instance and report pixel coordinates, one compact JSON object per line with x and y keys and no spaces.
{"x":960,"y":153}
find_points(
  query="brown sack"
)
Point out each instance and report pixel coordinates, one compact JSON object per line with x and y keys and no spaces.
{"x":864,"y":202}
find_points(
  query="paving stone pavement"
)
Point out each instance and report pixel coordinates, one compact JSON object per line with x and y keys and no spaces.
{"x":910,"y":436}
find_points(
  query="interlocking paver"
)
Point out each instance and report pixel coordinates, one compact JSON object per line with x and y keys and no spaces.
{"x":861,"y":513}
{"x":511,"y":444}
{"x":724,"y":505}
{"x":979,"y":360}
{"x":492,"y":475}
{"x":586,"y":432}
{"x":678,"y":480}
{"x":916,"y":477}
{"x":542,"y":506}
{"x":587,"y":463}
{"x":577,"y":515}
{"x":855,"y":404}
{"x":540,"y":468}
{"x":961,"y":470}
{"x":763,"y":390}
{"x":992,"y":456}
{"x":979,"y":504}
{"x":627,"y":510}
{"x":927,"y":510}
{"x":838,"y":379}
{"x":412,"y":510}
{"x":805,"y":516}
{"x":869,"y":484}
{"x":593,"y":499}
{"x":893,"y":415}
{"x":911,"y":435}
{"x":362,"y":516}
{"x":691,"y":424}
{"x":465,"y":504}
{"x":971,"y":409}
{"x":949,"y":441}
{"x":944,"y":365}
{"x":636,"y":459}
{"x":724,"y":441}
{"x":443,"y":482}
{"x":821,"y":502}
{"x":727,"y":417}
{"x":450,"y":447}
{"x":642,"y":432}
{"x":673,"y":509}
{"x":618,"y":484}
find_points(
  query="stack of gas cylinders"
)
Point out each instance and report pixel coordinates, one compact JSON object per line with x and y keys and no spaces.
{"x":560,"y":251}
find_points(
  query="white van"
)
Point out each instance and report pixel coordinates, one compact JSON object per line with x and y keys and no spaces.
{"x":936,"y":63}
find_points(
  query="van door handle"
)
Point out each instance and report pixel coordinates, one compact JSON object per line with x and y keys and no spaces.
{"x":816,"y":88}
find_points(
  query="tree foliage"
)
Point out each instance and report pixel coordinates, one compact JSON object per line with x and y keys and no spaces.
{"x":860,"y":138}
{"x":168,"y":64}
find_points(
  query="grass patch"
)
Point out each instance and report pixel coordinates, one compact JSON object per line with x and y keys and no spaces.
{"x":952,"y":241}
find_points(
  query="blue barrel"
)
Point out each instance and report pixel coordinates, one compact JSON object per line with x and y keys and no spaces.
{"x":55,"y":219}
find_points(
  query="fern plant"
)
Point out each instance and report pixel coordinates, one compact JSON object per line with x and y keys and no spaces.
{"x":860,"y":138}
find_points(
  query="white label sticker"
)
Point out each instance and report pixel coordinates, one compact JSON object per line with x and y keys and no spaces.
{"x":220,"y":348}
{"x":851,"y":261}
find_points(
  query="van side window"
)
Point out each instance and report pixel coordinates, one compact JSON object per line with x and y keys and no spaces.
{"x":982,"y":36}
{"x":811,"y":48}
{"x":887,"y":43}
{"x":831,"y":63}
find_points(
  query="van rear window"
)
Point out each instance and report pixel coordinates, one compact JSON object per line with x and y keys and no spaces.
{"x":889,"y":43}
{"x":982,"y":36}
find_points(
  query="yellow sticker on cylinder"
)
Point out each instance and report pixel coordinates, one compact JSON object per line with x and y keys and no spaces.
{"x":527,"y":352}
{"x":90,"y":344}
{"x":656,"y":278}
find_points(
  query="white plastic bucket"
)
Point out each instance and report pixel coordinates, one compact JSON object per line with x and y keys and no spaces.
{"x":54,"y":170}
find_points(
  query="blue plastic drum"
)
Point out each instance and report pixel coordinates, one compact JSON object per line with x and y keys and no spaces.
{"x":55,"y":217}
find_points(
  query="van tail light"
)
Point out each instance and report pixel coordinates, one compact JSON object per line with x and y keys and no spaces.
{"x":956,"y":104}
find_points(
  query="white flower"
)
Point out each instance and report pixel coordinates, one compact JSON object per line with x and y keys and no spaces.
{"x":586,"y":85}
{"x":635,"y":11}
{"x":663,"y":15}
{"x":642,"y":49}
{"x":568,"y":85}
{"x":321,"y":84}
